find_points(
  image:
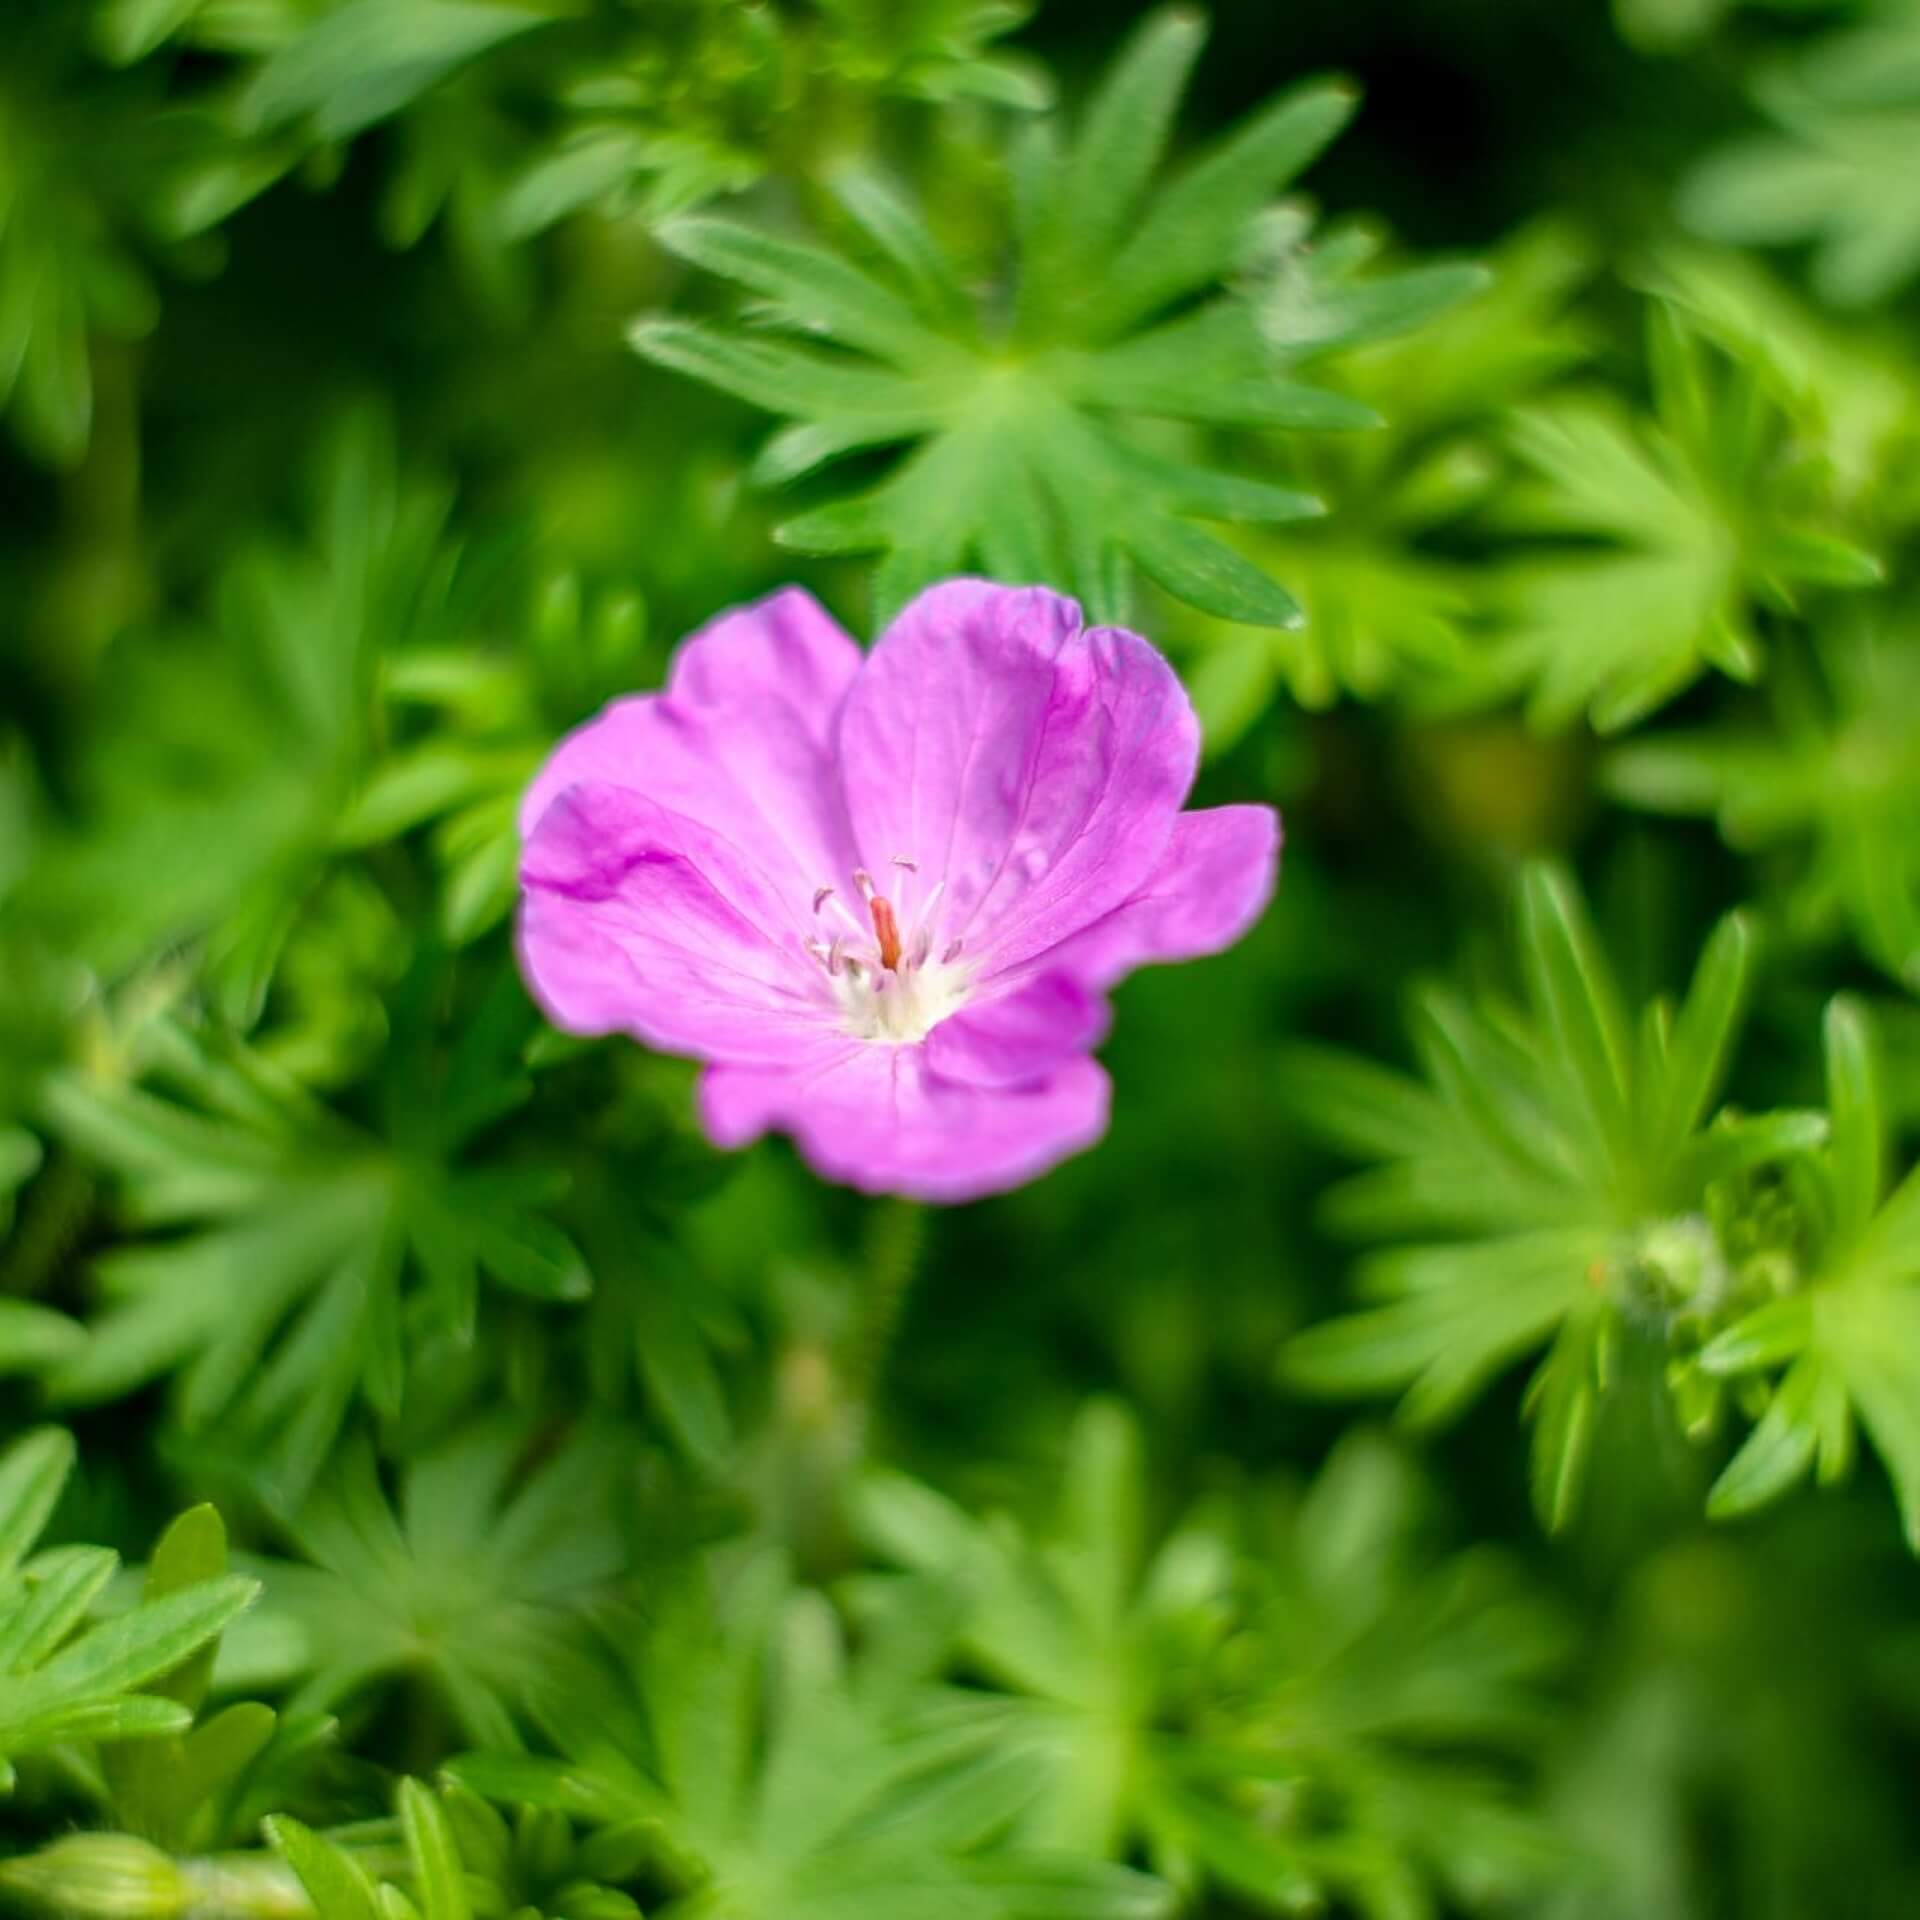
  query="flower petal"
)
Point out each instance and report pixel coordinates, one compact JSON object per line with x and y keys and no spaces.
{"x":1018,"y":1037}
{"x":636,"y":919}
{"x":1213,"y":882}
{"x":741,"y":741}
{"x":1034,"y":765}
{"x":878,"y":1118}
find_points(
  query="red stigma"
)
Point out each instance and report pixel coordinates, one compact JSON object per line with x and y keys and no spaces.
{"x":886,"y":930}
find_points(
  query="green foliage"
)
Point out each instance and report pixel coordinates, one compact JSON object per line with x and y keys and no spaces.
{"x":478,"y":1584}
{"x":509,"y":118}
{"x":863,"y":1562}
{"x":627,"y":146}
{"x":313,"y":1251}
{"x":1834,"y":781}
{"x":488,"y":721}
{"x":458,"y":1858}
{"x":764,"y":1773}
{"x":533,"y":1864}
{"x":177,"y":1790}
{"x":1577,"y":1178}
{"x":1255,"y":1701}
{"x":19,"y":1162}
{"x":1710,"y":510}
{"x":1031,"y":465}
{"x":1845,"y":383}
{"x":70,"y":149}
{"x":1844,"y":1342}
{"x":231,"y":750}
{"x":1845,"y":121}
{"x":1387,"y":603}
{"x":65,"y":1679}
{"x":1678,"y":1721}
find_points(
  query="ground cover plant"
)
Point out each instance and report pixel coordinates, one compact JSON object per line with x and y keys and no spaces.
{"x":959,"y":959}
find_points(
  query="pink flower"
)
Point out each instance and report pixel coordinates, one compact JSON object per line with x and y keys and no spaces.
{"x":882,"y":895}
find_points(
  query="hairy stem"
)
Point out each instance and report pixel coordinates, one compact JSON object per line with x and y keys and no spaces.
{"x":890,"y":1262}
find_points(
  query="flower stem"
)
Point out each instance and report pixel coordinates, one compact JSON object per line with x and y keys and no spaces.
{"x":890,"y":1262}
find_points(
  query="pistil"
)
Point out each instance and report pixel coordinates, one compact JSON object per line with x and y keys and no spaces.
{"x":886,"y":929}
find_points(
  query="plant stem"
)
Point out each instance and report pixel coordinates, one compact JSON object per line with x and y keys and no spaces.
{"x":896,"y":1235}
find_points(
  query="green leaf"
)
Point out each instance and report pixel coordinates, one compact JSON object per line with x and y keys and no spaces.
{"x":1670,"y":534}
{"x":34,"y":1338}
{"x":1026,"y":452}
{"x":811,"y":290}
{"x":1195,"y":228}
{"x":1573,"y":987}
{"x":1859,"y":1124}
{"x":1157,"y":1682}
{"x":1196,"y":568}
{"x":1704,"y":1031}
{"x":1563,"y":1400}
{"x":1767,"y":1337}
{"x":1780,"y":1450}
{"x":439,"y":1885}
{"x":1873,"y":1338}
{"x":1577,"y":1183}
{"x":137,"y":1648}
{"x":1845,"y":119}
{"x":193,"y":1549}
{"x":334,"y":1881}
{"x":1119,"y":143}
{"x":299,"y":1236}
{"x":1849,"y":853}
{"x":33,"y":1470}
{"x":66,"y":1582}
{"x":60,"y":1680}
{"x":367,"y":59}
{"x":511,"y":1554}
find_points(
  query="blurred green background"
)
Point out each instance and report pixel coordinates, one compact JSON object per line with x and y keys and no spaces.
{"x":335,"y":490}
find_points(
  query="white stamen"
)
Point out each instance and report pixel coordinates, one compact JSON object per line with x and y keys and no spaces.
{"x":827,"y":899}
{"x":894,"y":1006}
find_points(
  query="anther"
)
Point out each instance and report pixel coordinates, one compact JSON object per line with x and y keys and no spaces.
{"x":834,"y":954}
{"x":952,"y":953}
{"x":821,"y":895}
{"x":901,"y":860}
{"x":863,"y":883}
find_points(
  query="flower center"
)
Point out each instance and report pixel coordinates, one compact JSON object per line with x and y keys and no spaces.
{"x":886,"y":979}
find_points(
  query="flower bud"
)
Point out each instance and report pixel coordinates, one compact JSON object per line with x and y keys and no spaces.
{"x":99,"y":1876}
